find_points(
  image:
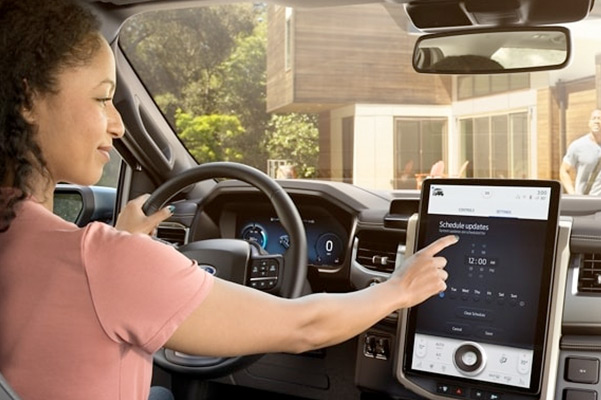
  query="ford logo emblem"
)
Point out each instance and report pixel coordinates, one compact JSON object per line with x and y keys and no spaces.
{"x":208,"y":268}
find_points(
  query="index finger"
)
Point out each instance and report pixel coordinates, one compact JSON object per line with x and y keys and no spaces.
{"x":440,"y":244}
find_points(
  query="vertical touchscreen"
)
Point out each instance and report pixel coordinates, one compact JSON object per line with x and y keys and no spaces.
{"x":489,"y":325}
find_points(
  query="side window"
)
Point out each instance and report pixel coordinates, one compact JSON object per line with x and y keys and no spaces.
{"x":110,"y":175}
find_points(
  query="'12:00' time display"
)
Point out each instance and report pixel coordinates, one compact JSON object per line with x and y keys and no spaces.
{"x":481,"y":261}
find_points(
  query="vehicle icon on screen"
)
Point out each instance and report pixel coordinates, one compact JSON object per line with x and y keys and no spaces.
{"x":437,"y":192}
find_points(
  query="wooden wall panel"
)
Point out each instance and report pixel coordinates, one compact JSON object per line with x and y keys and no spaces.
{"x":279,"y":80}
{"x":580,"y":106}
{"x":544,"y":133}
{"x":558,"y":127}
{"x":346,"y":55}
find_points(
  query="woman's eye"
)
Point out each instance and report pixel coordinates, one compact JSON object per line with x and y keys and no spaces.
{"x":104,"y":100}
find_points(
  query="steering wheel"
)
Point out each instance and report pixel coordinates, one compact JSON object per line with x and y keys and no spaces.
{"x":237,"y":260}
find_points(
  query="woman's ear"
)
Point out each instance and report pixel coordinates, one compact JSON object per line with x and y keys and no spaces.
{"x":28,"y":114}
{"x":27,"y":108}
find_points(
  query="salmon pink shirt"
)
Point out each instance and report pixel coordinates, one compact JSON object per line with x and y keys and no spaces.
{"x":82,"y":310}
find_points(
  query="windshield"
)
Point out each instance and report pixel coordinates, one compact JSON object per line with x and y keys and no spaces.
{"x":330,"y":93}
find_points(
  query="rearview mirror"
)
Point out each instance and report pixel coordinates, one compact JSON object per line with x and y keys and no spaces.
{"x":493,"y":50}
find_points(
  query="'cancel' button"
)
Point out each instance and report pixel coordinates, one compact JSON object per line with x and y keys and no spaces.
{"x":477,"y":314}
{"x":458,"y":329}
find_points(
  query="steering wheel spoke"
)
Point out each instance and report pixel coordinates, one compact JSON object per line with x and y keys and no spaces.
{"x":266,"y":272}
{"x":225,"y":258}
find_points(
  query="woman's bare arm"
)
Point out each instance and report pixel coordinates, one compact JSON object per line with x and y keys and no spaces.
{"x":237,"y":320}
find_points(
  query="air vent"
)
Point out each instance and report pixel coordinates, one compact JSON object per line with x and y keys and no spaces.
{"x":378,"y":250}
{"x":589,"y":278}
{"x":174,"y":233}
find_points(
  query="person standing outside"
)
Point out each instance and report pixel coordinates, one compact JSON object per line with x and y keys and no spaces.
{"x":584,"y":158}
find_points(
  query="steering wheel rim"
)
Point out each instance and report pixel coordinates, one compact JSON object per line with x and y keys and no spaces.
{"x":296,"y":255}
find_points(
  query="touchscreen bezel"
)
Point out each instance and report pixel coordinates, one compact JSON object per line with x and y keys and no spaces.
{"x":545,"y":292}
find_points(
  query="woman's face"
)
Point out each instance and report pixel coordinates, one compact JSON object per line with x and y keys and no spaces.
{"x":77,"y":125}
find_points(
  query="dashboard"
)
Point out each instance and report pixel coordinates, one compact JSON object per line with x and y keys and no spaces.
{"x":355,"y":239}
{"x":242,"y":213}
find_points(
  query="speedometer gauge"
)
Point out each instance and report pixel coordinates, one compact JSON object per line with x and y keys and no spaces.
{"x":255,"y":233}
{"x":329,"y":249}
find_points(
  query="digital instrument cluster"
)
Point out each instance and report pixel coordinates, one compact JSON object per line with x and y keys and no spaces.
{"x":326,"y":236}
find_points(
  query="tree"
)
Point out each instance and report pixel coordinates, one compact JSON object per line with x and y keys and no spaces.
{"x":295,"y":137}
{"x":178,"y":53}
{"x":210,"y":137}
{"x":243,"y":92}
{"x":205,"y":61}
{"x":206,"y":69}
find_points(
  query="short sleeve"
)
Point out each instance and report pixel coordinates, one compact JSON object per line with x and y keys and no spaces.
{"x":141,"y":289}
{"x":570,"y":156}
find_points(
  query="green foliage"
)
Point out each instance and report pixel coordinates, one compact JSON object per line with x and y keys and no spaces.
{"x":207,"y":64}
{"x":180,"y":51}
{"x":210,"y":137}
{"x":244,"y":76}
{"x":295,"y":137}
{"x":206,"y":61}
{"x":243,"y":92}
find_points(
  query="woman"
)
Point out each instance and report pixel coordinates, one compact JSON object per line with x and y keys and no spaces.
{"x":90,"y":305}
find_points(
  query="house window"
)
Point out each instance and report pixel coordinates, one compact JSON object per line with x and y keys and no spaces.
{"x":288,"y":39}
{"x":496,"y":146}
{"x":484,"y":85}
{"x":419,"y":144}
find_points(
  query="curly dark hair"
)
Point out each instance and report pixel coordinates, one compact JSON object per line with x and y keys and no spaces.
{"x":38,"y":39}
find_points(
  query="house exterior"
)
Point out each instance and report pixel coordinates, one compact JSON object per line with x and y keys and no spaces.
{"x":373,"y":106}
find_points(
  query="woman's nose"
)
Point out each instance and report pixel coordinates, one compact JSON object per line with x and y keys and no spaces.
{"x":115,"y":125}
